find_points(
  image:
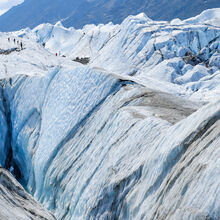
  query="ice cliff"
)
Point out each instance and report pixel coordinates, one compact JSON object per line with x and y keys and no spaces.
{"x":133,"y":134}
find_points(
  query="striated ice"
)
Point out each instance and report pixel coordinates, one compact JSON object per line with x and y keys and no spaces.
{"x":16,"y":203}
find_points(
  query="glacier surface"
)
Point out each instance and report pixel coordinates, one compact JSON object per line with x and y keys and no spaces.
{"x":134,"y":134}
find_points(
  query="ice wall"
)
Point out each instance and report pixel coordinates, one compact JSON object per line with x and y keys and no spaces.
{"x":120,"y":152}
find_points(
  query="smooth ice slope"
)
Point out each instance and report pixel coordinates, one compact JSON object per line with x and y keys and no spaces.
{"x":134,"y":134}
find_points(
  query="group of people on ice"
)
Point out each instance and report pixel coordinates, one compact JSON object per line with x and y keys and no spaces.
{"x":16,"y":42}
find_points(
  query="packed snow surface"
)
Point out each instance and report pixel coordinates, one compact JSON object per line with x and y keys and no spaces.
{"x":134,"y":133}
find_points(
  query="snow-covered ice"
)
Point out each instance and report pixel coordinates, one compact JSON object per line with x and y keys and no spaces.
{"x":152,"y":51}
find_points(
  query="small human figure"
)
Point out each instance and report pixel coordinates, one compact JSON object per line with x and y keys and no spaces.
{"x":17,"y":42}
{"x":56,"y":54}
{"x":21,"y":46}
{"x":9,"y":39}
{"x":14,"y":40}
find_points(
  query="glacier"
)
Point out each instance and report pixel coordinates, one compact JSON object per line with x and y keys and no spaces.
{"x":16,"y":203}
{"x":134,"y":134}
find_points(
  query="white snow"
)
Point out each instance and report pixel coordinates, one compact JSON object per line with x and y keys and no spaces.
{"x":210,"y":16}
{"x":32,"y":60}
